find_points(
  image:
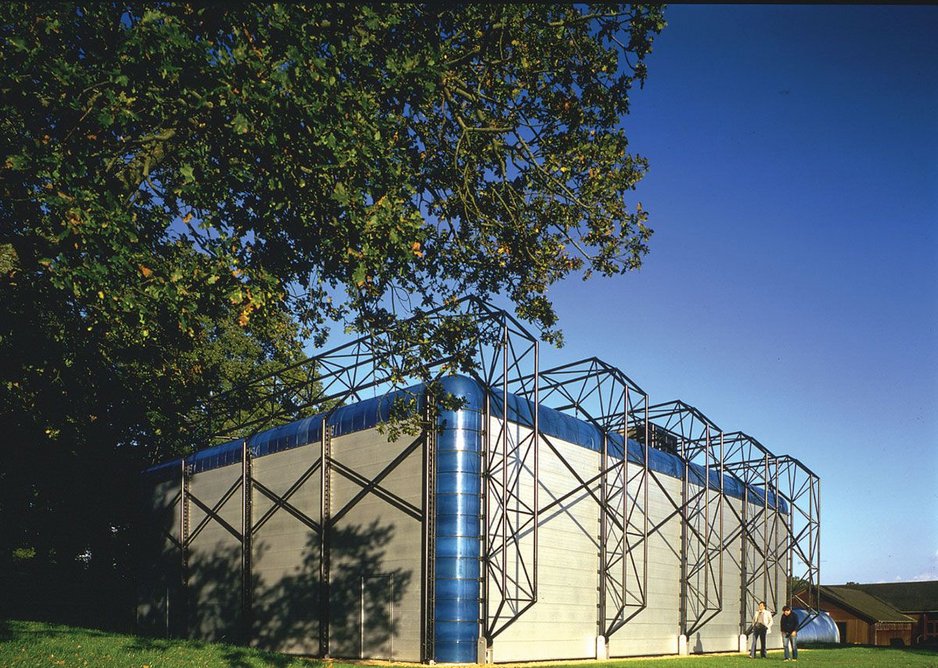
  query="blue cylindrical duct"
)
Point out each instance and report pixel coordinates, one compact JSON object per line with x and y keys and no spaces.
{"x":458,"y":526}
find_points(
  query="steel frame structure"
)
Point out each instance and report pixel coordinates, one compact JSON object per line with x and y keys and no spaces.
{"x":762,"y":474}
{"x":504,"y":361}
{"x":754,"y":465}
{"x":699,"y":442}
{"x":504,"y":358}
{"x":801,"y":489}
{"x":604,"y":396}
{"x":510,"y":511}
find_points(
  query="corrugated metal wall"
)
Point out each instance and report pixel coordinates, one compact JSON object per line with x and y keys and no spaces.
{"x":563,"y":624}
{"x":214,"y":564}
{"x":375,"y":606}
{"x":378,"y":551}
{"x":159,"y":581}
{"x":285,"y":551}
{"x":375,"y":569}
{"x":655,"y":630}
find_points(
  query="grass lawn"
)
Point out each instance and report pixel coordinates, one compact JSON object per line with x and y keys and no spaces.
{"x":37,"y":645}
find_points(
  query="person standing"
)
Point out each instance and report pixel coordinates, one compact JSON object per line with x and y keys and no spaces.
{"x":761,"y":624}
{"x":789,"y":626}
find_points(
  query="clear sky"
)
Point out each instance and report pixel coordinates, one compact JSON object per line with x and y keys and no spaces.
{"x":791,"y":291}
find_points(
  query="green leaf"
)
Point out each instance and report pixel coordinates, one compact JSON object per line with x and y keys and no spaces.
{"x":240,"y":124}
{"x":340,"y":194}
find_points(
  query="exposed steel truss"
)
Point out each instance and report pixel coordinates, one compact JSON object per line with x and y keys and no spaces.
{"x":503,"y":358}
{"x":699,"y":444}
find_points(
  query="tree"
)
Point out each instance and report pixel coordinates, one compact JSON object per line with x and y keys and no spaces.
{"x":189,"y":192}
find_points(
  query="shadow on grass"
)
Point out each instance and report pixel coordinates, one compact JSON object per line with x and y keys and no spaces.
{"x":237,"y":657}
{"x":13,"y":629}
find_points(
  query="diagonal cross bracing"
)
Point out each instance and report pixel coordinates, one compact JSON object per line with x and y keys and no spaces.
{"x":603,"y":396}
{"x":801,"y":490}
{"x":503,"y":358}
{"x":753,"y":465}
{"x":500,"y":354}
{"x":699,"y":444}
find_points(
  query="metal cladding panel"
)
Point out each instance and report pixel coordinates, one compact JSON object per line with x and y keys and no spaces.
{"x":656,"y":628}
{"x":768,"y":582}
{"x":768,"y":536}
{"x":562,"y":624}
{"x":285,"y":551}
{"x":375,"y":547}
{"x":214,"y":576}
{"x":158,"y":592}
{"x":721,"y":631}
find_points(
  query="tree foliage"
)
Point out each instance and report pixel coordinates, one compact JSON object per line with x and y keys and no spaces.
{"x":190,"y":191}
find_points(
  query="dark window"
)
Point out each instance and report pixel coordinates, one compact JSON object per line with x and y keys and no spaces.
{"x":842,"y":627}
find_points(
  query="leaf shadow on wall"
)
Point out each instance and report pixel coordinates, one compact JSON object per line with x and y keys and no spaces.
{"x":285,"y":613}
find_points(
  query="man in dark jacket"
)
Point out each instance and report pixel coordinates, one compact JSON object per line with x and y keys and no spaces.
{"x":789,"y":633}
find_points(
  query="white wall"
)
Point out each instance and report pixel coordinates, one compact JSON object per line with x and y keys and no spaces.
{"x":563,"y":624}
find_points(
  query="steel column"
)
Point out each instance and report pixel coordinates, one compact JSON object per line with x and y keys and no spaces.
{"x":325,"y":524}
{"x":699,"y":443}
{"x":247,"y":581}
{"x":428,"y":534}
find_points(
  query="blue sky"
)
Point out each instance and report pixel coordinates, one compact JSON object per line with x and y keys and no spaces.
{"x":791,"y":291}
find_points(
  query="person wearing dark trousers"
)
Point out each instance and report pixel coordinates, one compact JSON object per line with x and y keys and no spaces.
{"x":761,"y":624}
{"x":789,"y":626}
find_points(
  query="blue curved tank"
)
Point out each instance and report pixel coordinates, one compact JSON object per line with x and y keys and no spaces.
{"x":820,"y":629}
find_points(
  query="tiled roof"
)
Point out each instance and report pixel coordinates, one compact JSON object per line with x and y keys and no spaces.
{"x":905,"y":596}
{"x":865,"y":605}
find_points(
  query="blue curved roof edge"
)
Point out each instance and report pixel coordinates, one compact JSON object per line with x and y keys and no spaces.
{"x":467,"y":389}
{"x":573,"y":430}
{"x":344,"y":420}
{"x":371,"y":412}
{"x":163,"y":471}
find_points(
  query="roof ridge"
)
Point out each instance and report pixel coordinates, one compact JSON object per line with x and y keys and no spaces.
{"x":863,"y":607}
{"x":907,"y":596}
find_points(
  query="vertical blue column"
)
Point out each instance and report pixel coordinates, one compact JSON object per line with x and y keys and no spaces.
{"x":458,"y":526}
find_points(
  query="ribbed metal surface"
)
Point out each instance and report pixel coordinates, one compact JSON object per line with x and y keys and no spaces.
{"x":454,"y":603}
{"x":820,"y":629}
{"x":458,"y":529}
